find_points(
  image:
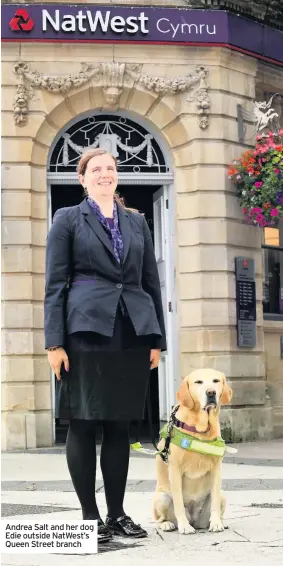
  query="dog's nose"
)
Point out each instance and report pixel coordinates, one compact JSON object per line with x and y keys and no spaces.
{"x":211,"y":392}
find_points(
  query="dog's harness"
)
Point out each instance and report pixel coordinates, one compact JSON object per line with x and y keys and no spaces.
{"x":184,"y":440}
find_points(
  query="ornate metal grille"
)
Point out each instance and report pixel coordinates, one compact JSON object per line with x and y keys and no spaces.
{"x":136,"y":150}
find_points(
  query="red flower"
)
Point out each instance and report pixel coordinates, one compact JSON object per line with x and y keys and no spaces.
{"x":232,"y":171}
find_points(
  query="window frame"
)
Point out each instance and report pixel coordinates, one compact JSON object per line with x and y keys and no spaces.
{"x":272,"y":316}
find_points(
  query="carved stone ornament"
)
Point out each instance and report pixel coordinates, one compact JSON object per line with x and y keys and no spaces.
{"x":183,"y":84}
{"x":21,"y":99}
{"x":265,"y":115}
{"x":114,"y":76}
{"x":111,"y":78}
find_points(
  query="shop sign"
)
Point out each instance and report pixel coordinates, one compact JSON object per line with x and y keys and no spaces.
{"x":63,"y":22}
{"x":147,"y":24}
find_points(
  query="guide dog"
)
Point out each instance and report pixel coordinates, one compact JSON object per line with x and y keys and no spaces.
{"x":188,"y":494}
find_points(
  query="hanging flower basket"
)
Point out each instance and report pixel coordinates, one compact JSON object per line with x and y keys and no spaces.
{"x":258,"y":176}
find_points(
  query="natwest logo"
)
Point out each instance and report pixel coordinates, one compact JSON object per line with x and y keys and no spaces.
{"x":21,"y":21}
{"x":85,"y":21}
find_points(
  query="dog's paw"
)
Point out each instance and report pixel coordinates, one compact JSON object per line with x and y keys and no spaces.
{"x":166,"y":526}
{"x":186,"y":528}
{"x":216,"y":526}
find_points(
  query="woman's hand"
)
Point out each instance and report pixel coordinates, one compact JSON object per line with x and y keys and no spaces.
{"x":154,"y":358}
{"x":56,"y":358}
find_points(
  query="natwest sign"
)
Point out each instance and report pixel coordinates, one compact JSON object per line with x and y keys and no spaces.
{"x":114,"y":23}
{"x":147,"y":24}
{"x":94,"y":21}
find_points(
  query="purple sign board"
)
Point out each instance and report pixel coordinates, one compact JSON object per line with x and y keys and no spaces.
{"x":151,"y":25}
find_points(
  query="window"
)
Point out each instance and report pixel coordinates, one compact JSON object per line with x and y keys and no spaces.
{"x":273,"y":273}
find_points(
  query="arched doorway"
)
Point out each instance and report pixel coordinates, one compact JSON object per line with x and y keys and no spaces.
{"x":145,"y":182}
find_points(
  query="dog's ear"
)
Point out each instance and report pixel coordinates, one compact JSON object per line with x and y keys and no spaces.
{"x":226,"y":394}
{"x":184,"y":395}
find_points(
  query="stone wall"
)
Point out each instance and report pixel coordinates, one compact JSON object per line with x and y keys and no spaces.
{"x":212,"y":233}
{"x":209,"y":228}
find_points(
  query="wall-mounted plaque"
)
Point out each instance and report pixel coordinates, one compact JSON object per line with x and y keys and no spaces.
{"x":245,"y":302}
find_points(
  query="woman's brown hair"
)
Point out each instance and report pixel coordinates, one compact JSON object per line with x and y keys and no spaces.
{"x":82,"y":165}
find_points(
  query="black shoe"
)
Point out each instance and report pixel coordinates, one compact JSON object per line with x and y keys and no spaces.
{"x":125,"y":527}
{"x":103,"y":533}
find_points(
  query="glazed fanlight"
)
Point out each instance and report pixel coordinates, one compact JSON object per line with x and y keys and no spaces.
{"x":258,"y":177}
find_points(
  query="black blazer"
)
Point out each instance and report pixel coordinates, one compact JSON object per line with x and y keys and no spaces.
{"x":84,"y":281}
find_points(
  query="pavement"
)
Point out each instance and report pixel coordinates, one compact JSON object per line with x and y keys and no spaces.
{"x":36,"y":485}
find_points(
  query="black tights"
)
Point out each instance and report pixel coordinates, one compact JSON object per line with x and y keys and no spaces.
{"x":114,"y":461}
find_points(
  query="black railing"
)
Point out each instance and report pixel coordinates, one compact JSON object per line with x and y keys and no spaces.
{"x":273,"y":281}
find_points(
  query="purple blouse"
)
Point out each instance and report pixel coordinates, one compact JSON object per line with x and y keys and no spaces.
{"x":111,"y":226}
{"x":110,"y":222}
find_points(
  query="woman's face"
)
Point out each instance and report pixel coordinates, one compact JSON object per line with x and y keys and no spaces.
{"x":101,"y":177}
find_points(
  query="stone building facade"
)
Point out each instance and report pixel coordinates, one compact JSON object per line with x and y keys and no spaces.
{"x":186,"y":98}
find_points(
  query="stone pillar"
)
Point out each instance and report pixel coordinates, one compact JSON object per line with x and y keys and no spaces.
{"x":26,"y":392}
{"x":211,"y":233}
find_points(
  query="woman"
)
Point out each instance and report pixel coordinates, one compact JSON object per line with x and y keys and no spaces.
{"x":104,"y":330}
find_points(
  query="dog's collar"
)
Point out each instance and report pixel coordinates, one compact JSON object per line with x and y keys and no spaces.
{"x":189,"y":428}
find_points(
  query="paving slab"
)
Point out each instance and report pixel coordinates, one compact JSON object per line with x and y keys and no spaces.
{"x":36,"y":485}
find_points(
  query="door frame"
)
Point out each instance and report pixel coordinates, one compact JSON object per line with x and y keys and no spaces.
{"x":172,"y":321}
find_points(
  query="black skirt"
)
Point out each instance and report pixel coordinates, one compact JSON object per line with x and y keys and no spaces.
{"x":108,"y":377}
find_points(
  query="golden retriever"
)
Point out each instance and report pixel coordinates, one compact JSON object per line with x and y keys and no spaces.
{"x":188,"y":493}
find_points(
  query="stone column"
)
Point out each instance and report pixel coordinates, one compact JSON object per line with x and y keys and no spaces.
{"x":211,"y":233}
{"x":26,"y":392}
